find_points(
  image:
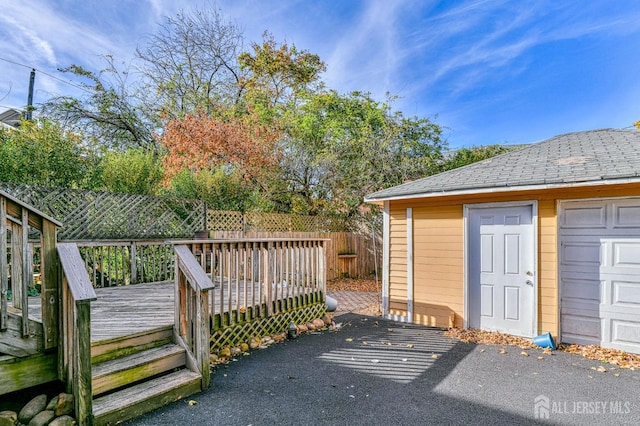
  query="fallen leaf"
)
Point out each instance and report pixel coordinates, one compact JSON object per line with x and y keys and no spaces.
{"x":351,"y":396}
{"x":502,"y":351}
{"x":375,"y":361}
{"x":619,"y":358}
{"x":601,"y":369}
{"x":616,"y":374}
{"x":348,"y":339}
{"x":364,"y":343}
{"x":482,"y":350}
{"x":523,"y":353}
{"x":404,"y":359}
{"x":540,"y":357}
{"x":192,"y":402}
{"x":410,"y":345}
{"x":434,"y":356}
{"x":390,"y":330}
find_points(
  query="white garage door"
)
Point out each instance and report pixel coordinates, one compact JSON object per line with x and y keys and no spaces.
{"x":600,"y":273}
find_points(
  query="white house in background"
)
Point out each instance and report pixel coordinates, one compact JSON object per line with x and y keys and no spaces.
{"x":10,"y":119}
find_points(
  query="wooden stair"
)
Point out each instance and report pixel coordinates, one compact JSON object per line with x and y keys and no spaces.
{"x":136,"y":374}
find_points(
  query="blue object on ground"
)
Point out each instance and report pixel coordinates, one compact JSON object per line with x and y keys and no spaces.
{"x":545,"y":341}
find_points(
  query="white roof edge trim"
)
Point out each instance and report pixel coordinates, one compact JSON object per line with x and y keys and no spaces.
{"x":504,"y":189}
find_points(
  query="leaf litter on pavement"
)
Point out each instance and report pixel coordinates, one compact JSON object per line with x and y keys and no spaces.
{"x":611,"y":356}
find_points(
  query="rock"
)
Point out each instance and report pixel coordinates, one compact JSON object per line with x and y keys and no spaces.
{"x":279,"y":337}
{"x":327,"y":319}
{"x":63,"y":421}
{"x":32,"y":408}
{"x":224,"y":352}
{"x":64,"y":405}
{"x":319,"y":323}
{"x":255,"y":343}
{"x":244,"y":347}
{"x":52,"y":404}
{"x":266,"y":341}
{"x":43,"y":418}
{"x":235,"y":351}
{"x":8,"y":418}
{"x":310,"y":326}
{"x":302,"y":328}
{"x":213,"y":359}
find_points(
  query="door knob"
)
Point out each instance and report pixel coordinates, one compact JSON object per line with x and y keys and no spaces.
{"x":529,"y":282}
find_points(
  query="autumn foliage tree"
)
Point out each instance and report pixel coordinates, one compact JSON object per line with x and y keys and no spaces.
{"x":237,"y":146}
{"x":199,"y":141}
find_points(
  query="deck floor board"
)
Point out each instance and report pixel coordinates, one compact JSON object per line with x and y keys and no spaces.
{"x":126,"y":310}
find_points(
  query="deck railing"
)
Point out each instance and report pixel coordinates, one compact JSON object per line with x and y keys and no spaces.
{"x":260,"y":278}
{"x":191,"y":324}
{"x":75,"y":350}
{"x":114,"y":263}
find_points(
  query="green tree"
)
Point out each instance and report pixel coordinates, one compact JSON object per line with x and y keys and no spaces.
{"x":222,"y":188}
{"x":41,"y":153}
{"x":340,"y":147}
{"x":278,"y":74}
{"x":466,"y":156}
{"x":110,"y":113}
{"x":133,"y":172}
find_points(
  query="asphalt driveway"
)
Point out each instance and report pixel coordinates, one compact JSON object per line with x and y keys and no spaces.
{"x":375,"y":371}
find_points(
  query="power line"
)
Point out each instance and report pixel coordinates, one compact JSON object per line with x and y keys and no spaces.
{"x":47,"y":74}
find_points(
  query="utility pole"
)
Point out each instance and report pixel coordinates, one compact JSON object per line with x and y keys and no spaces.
{"x":32,"y":80}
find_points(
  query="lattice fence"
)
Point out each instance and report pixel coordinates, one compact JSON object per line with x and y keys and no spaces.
{"x":271,"y":222}
{"x":89,"y":215}
{"x":234,"y":334}
{"x":223,"y":220}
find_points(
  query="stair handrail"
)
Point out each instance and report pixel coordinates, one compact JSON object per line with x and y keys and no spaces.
{"x":192,"y":318}
{"x":75,"y":352}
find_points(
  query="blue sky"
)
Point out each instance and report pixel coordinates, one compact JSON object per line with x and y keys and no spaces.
{"x":488,"y":71}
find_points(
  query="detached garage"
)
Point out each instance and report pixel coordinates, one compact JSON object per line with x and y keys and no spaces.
{"x":546,"y":238}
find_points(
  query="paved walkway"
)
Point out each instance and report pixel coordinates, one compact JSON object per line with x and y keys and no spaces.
{"x":379,"y":372}
{"x":354,"y":301}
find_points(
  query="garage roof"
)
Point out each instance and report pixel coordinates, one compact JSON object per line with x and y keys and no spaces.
{"x":591,"y":157}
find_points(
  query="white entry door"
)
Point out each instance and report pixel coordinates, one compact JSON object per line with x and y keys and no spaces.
{"x":501,"y":293}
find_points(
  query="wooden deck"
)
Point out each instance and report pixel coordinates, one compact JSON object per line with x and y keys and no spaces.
{"x":126,"y":310}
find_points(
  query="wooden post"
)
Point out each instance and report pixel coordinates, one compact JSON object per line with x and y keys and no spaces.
{"x":16,"y":265}
{"x":82,"y":377}
{"x":134,"y":265}
{"x":265,"y":276}
{"x":202,"y":336}
{"x":4,"y":277}
{"x":49,"y":291}
{"x":27,"y":271}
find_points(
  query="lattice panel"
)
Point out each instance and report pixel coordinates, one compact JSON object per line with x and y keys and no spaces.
{"x":222,"y":220}
{"x":90,"y":215}
{"x":235,"y":334}
{"x":278,"y":222}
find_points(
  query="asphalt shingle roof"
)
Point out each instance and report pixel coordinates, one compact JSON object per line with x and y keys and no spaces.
{"x":591,"y":156}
